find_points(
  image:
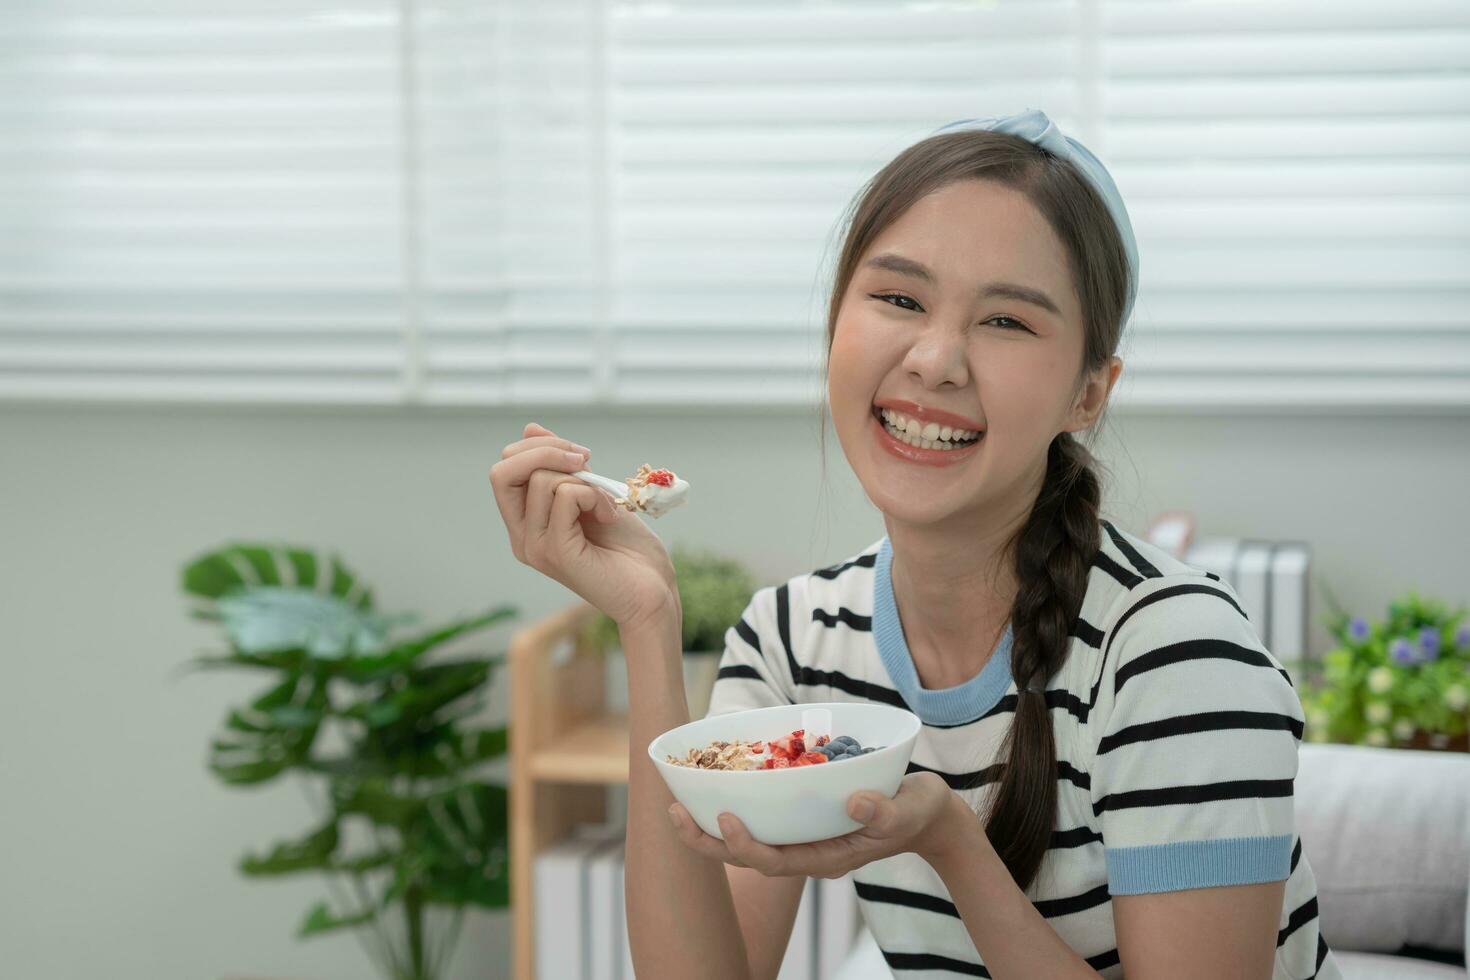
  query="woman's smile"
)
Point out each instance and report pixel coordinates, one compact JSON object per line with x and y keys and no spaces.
{"x":896,"y":446}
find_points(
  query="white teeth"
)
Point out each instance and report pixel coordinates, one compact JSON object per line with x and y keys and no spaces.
{"x":908,"y":430}
{"x":926,"y":436}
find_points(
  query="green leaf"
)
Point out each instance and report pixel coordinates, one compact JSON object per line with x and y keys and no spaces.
{"x":312,"y":852}
{"x":426,"y":690}
{"x":373,"y":799}
{"x":268,"y":618}
{"x":321,"y":920}
{"x":442,"y":752}
{"x":467,"y":844}
{"x":279,"y":660}
{"x":243,"y":566}
{"x":296,"y":716}
{"x":366,"y":862}
{"x":369,"y":668}
{"x":432,"y":688}
{"x":272,"y":734}
{"x":249,"y":773}
{"x":484,"y":743}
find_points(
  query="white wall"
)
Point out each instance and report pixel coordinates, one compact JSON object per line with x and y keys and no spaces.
{"x":118,"y":847}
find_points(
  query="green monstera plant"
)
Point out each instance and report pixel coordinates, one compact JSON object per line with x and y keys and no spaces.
{"x":381,"y":739}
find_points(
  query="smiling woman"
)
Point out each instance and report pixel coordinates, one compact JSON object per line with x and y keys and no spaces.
{"x":1107,"y":749}
{"x":1102,"y":777}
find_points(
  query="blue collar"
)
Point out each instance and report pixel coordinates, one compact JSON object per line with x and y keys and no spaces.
{"x":956,"y":705}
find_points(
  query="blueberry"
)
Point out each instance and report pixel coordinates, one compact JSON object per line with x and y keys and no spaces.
{"x":844,"y":740}
{"x":826,"y":750}
{"x":869,"y":749}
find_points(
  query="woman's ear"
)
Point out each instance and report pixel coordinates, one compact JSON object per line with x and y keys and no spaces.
{"x":1094,"y":395}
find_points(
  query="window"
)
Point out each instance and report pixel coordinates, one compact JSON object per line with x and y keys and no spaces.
{"x":607,"y":201}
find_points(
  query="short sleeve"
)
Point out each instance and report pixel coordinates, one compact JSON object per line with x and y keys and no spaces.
{"x":753,"y":671}
{"x":1197,"y":731}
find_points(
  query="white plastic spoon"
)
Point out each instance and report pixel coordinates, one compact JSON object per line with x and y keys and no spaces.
{"x":656,"y":500}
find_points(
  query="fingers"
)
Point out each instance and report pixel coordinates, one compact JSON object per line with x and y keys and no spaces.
{"x":538,"y":507}
{"x":820,"y":859}
{"x":875,"y":811}
{"x":511,"y":478}
{"x":697,"y":840}
{"x":570,"y":499}
{"x":750,"y":852}
{"x":542,"y":438}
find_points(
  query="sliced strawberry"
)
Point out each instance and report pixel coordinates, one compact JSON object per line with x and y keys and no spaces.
{"x":758,"y":747}
{"x":823,"y":740}
{"x":780,"y":763}
{"x":811,"y":759}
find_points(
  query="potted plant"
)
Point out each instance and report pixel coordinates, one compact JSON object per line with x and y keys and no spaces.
{"x":713,"y":592}
{"x":1403,"y":681}
{"x":380,"y":739}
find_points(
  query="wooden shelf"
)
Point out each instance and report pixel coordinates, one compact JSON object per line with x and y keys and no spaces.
{"x":594,"y":751}
{"x":566,"y":748}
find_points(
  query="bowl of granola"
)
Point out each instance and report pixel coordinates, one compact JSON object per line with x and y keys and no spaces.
{"x":787,"y":771}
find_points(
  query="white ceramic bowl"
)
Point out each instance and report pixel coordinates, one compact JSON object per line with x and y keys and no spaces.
{"x":795,"y":805}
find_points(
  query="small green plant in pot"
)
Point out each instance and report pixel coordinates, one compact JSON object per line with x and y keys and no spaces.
{"x":380,"y":739}
{"x":713,"y":592}
{"x":1403,"y":681}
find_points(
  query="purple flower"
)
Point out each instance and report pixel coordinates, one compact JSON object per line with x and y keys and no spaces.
{"x":1462,"y":637}
{"x":1429,"y":642}
{"x":1402,"y":653}
{"x":1358,"y":629}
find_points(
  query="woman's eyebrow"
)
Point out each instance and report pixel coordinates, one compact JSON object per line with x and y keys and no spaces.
{"x":894,"y":262}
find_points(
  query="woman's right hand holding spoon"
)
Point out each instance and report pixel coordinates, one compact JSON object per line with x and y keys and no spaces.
{"x":572,"y":532}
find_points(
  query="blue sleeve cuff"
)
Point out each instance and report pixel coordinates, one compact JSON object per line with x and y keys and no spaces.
{"x":1197,"y":864}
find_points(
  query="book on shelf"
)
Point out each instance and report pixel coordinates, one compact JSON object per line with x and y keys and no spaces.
{"x":801,"y":955}
{"x":581,"y":922}
{"x":836,"y":924}
{"x":1270,"y":577}
{"x":604,"y":904}
{"x":558,"y":878}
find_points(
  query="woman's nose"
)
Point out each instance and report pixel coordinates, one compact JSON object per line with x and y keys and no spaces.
{"x":938,"y":356}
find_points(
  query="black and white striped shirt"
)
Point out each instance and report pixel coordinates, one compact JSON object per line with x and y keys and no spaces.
{"x":1176,"y":734}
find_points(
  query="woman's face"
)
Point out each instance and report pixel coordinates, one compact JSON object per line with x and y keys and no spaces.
{"x":959,"y":341}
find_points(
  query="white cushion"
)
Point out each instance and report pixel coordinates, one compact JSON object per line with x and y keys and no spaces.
{"x":1387,"y":834}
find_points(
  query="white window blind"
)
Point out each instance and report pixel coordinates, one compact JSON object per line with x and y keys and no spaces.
{"x":604,"y":201}
{"x":200,"y":200}
{"x":1298,"y":175}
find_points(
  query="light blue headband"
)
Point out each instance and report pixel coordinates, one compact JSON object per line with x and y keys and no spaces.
{"x":1033,"y":125}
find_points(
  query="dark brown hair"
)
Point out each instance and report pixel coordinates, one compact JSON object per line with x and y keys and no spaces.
{"x":1057,"y":545}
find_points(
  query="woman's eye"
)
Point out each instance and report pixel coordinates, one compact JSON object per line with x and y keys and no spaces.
{"x":1010,"y":323}
{"x":888,"y":296}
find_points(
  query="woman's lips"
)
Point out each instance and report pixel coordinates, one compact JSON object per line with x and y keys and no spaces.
{"x":917,"y":454}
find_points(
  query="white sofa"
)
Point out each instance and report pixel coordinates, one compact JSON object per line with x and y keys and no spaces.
{"x":1387,"y":834}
